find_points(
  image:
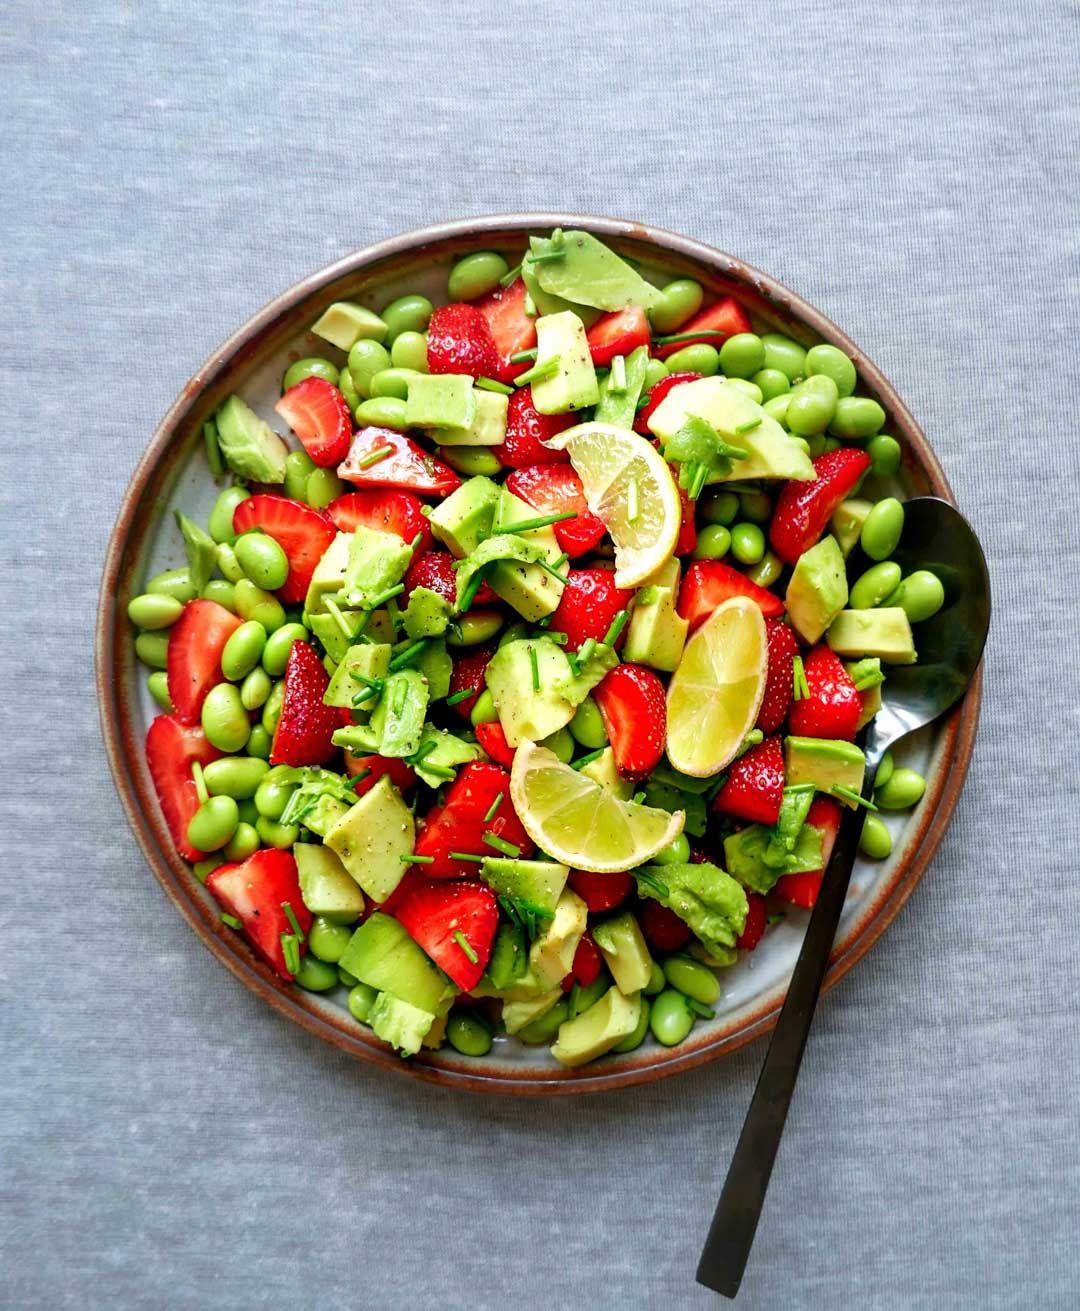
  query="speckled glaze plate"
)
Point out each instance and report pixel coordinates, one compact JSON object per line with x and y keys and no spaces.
{"x":173,"y":473}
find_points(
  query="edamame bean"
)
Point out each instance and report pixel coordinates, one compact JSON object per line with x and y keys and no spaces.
{"x":220,"y":523}
{"x":172,"y":582}
{"x":513,"y":634}
{"x":224,"y":719}
{"x":657,"y":982}
{"x":830,"y":444}
{"x":299,"y":466}
{"x":470,"y":461}
{"x":468,"y":1034}
{"x":202,"y":869}
{"x":884,"y":770}
{"x":234,"y":776}
{"x":561,"y":743}
{"x":158,"y":683}
{"x":680,"y":301}
{"x":366,"y":359}
{"x":755,"y":506}
{"x":154,"y":610}
{"x":872,"y":587}
{"x":315,"y":975}
{"x":313,"y":367}
{"x":213,"y":824}
{"x":281,"y":836}
{"x":777,"y":409}
{"x":272,"y":708}
{"x":692,"y":979}
{"x":719,"y":508}
{"x":587,"y":726}
{"x":260,"y":741}
{"x":248,"y":812}
{"x":255,"y":689}
{"x":742,"y":355}
{"x":545,"y":1026}
{"x":884,"y":453}
{"x":272,"y":795}
{"x":713,"y":542}
{"x":228,"y":563}
{"x":361,"y":999}
{"x":346,"y":979}
{"x":221,"y":591}
{"x":856,"y":418}
{"x":771,"y":383}
{"x":476,"y":275}
{"x":784,"y":354}
{"x":635,"y":1039}
{"x":654,"y":371}
{"x":920,"y":595}
{"x":766,"y":571}
{"x":677,"y":852}
{"x":902,"y":790}
{"x":882,"y":528}
{"x":582,"y":998}
{"x":242,"y":651}
{"x":699,"y":357}
{"x":253,"y":603}
{"x":483,"y":711}
{"x":747,"y":387}
{"x":392,"y":382}
{"x":328,"y":941}
{"x":409,"y":351}
{"x":406,"y":314}
{"x":811,"y":406}
{"x":815,"y":445}
{"x":243,"y":843}
{"x":262,"y":559}
{"x":275,"y":654}
{"x":831,"y":362}
{"x":875,"y":840}
{"x":348,"y":388}
{"x":747,"y":543}
{"x":323,"y":487}
{"x":383,"y":412}
{"x":470,"y":629}
{"x":670,"y":1018}
{"x":153,"y":649}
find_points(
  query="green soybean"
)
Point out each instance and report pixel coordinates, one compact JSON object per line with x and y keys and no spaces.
{"x":255,"y":689}
{"x":921,"y":595}
{"x":811,"y":406}
{"x":884,"y":453}
{"x":409,"y":351}
{"x":884,"y":770}
{"x":254,"y":603}
{"x":784,"y":354}
{"x":281,"y":836}
{"x":315,"y":975}
{"x":222,"y":592}
{"x":272,"y":707}
{"x":777,"y":409}
{"x":831,"y":362}
{"x":654,"y":371}
{"x":392,"y":382}
{"x":545,"y":1026}
{"x":766,"y":571}
{"x":234,"y":776}
{"x":406,"y":314}
{"x":747,"y":543}
{"x":483,"y":710}
{"x":328,"y":941}
{"x":902,"y":789}
{"x":243,"y":843}
{"x":699,"y":357}
{"x":875,"y":840}
{"x":719,"y":508}
{"x":382,"y":412}
{"x":153,"y":649}
{"x":323,"y":487}
{"x":259,"y":742}
{"x":587,"y":726}
{"x":872,"y":587}
{"x":299,"y":466}
{"x":366,"y":359}
{"x":635,"y":1039}
{"x":756,"y":507}
{"x":224,"y":719}
{"x":713,"y":542}
{"x":158,"y":683}
{"x":213,"y":824}
{"x":272,"y":795}
{"x":856,"y":418}
{"x":561,"y":744}
{"x":470,"y":461}
{"x":680,"y":301}
{"x":476,"y":275}
{"x":361,"y":999}
{"x":670,"y":1018}
{"x":313,"y":367}
{"x":677,"y":852}
{"x":657,"y":982}
{"x":882,"y":528}
{"x":771,"y":383}
{"x":581,"y":999}
{"x":471,"y":629}
{"x":348,"y":389}
{"x":242,"y":651}
{"x":742,"y":355}
{"x":468,"y":1034}
{"x":248,"y":813}
{"x":513,"y":634}
{"x":262,"y":559}
{"x":347,"y":979}
{"x":220,"y":523}
{"x":228,"y":563}
{"x":747,"y":388}
{"x":154,"y":610}
{"x":692,"y":979}
{"x":172,"y":582}
{"x":275,"y":655}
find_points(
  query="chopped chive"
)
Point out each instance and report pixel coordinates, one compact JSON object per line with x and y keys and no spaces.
{"x":230,"y":921}
{"x":291,"y":950}
{"x":638,"y":798}
{"x":587,"y":760}
{"x":849,"y":794}
{"x":616,"y":627}
{"x":752,"y":739}
{"x":545,"y":622}
{"x":414,"y":859}
{"x":617,"y":377}
{"x":365,"y":694}
{"x":405,"y":657}
{"x":500,"y":844}
{"x":543,"y":521}
{"x":400,"y":693}
{"x":493,"y":808}
{"x":699,"y":1008}
{"x":510,"y":277}
{"x":795,"y":788}
{"x":550,"y":569}
{"x":801,"y":688}
{"x":373,"y":457}
{"x":642,"y":401}
{"x":438,"y":771}
{"x":530,"y":305}
{"x":467,"y":855}
{"x":560,"y":639}
{"x":492,"y":384}
{"x":700,"y":335}
{"x":200,"y":782}
{"x":520,"y":357}
{"x":290,"y":915}
{"x":545,"y":257}
{"x":422,"y":752}
{"x":535,"y":669}
{"x":538,"y":372}
{"x":775,"y":917}
{"x":558,"y":564}
{"x":586,"y":650}
{"x":358,"y":778}
{"x":466,"y":946}
{"x":633,"y":509}
{"x":475,"y":583}
{"x":697,"y":484}
{"x":383,"y":597}
{"x":463,"y":695}
{"x":748,"y":426}
{"x":338,"y":618}
{"x":213,"y":450}
{"x":416,"y":541}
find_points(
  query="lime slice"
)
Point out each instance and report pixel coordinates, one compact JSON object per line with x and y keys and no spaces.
{"x":576,"y":821}
{"x":715,"y":693}
{"x":631,"y":491}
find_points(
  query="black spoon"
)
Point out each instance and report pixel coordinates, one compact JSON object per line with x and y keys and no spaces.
{"x":936,"y":537}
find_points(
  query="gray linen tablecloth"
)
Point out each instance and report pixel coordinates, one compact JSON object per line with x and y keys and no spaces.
{"x":168,"y":1141}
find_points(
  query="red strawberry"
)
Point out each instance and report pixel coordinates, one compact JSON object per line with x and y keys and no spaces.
{"x":554,"y":489}
{"x":306,"y":725}
{"x":727,"y":316}
{"x":302,"y":533}
{"x":256,"y":892}
{"x":406,"y":466}
{"x":687,"y":539}
{"x":755,"y":784}
{"x":319,"y":415}
{"x":656,"y":394}
{"x":385,"y":509}
{"x":834,"y":705}
{"x":171,"y":749}
{"x":460,"y":823}
{"x":401,"y":775}
{"x":783,"y":648}
{"x":590,"y":601}
{"x":512,"y":330}
{"x":633,"y":706}
{"x":618,"y":334}
{"x":196,"y":642}
{"x":460,"y":341}
{"x":756,"y":921}
{"x":600,"y":892}
{"x":803,"y":509}
{"x":526,"y":431}
{"x":707,"y":584}
{"x":802,"y":889}
{"x":492,"y":738}
{"x":455,"y":924}
{"x":587,"y":961}
{"x":663,"y":929}
{"x":469,"y":673}
{"x":435,"y":571}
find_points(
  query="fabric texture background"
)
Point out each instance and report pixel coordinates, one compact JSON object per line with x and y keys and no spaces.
{"x":168,"y":1141}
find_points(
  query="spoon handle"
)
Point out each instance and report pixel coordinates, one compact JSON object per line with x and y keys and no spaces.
{"x":731,"y":1234}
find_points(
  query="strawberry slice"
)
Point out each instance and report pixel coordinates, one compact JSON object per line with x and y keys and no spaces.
{"x":707,"y":584}
{"x":755,"y":784}
{"x":555,"y":489}
{"x":319,"y":415}
{"x":171,"y":749}
{"x":460,"y":341}
{"x":633,"y":706}
{"x":687,"y":538}
{"x":256,"y":892}
{"x":834,"y":705}
{"x":657,"y":393}
{"x":455,"y":924}
{"x":663,"y":929}
{"x":405,"y":465}
{"x":618,"y":334}
{"x":460,"y":823}
{"x":803,"y":509}
{"x":527,"y":430}
{"x":306,"y":725}
{"x":588,"y":961}
{"x":435,"y":571}
{"x":727,"y":316}
{"x":193,"y":662}
{"x":590,"y":601}
{"x":802,"y":889}
{"x":512,"y":330}
{"x":492,"y":738}
{"x":401,"y":775}
{"x":600,"y":892}
{"x":469,"y":674}
{"x":756,"y":922}
{"x":775,"y":703}
{"x":387,"y":510}
{"x":302,"y":533}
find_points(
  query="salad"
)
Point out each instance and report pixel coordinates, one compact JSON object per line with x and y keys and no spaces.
{"x":515,"y":688}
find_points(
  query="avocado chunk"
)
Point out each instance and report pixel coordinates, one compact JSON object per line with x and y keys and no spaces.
{"x":440,"y":400}
{"x":539,"y":883}
{"x":573,"y":385}
{"x":552,"y":954}
{"x":618,"y":405}
{"x":657,"y":632}
{"x":359,"y":664}
{"x":345,"y":323}
{"x":580,"y":268}
{"x":249,"y":446}
{"x":372,"y":837}
{"x":543,"y":302}
{"x":201,"y":551}
{"x":398,"y":719}
{"x":771,"y":452}
{"x":745,"y":852}
{"x":703,"y":896}
{"x":446,"y":751}
{"x":603,"y":770}
{"x":433,"y":1039}
{"x":329,"y":575}
{"x":869,"y":691}
{"x":488,"y":426}
{"x":625,"y":952}
{"x":381,"y":954}
{"x":377,"y":562}
{"x":325,"y":884}
{"x":884,"y":632}
{"x":847,"y":522}
{"x":519,"y":1012}
{"x":597,"y":1030}
{"x":529,"y":588}
{"x":322,"y":816}
{"x":435,"y":664}
{"x":818,"y":589}
{"x":509,"y":959}
{"x":464,"y":519}
{"x":427,"y":614}
{"x":529,"y":707}
{"x":826,"y":762}
{"x":400,"y":1023}
{"x":338,"y":637}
